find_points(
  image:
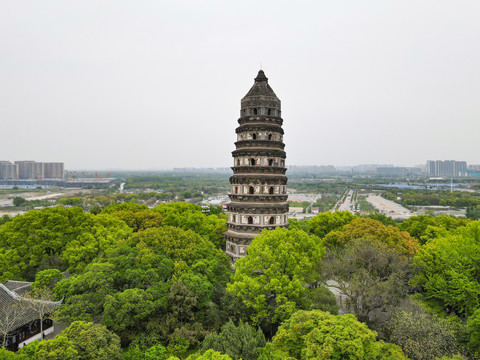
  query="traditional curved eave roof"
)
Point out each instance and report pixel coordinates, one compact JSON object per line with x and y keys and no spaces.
{"x":10,"y":298}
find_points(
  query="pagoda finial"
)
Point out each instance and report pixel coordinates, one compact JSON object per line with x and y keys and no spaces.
{"x":261,"y":77}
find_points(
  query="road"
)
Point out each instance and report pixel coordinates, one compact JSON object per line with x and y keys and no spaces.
{"x":388,"y":207}
{"x":348,"y":204}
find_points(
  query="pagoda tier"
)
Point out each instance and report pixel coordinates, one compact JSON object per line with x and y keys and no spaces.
{"x":258,"y":197}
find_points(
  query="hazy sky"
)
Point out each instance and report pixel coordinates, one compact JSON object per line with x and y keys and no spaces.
{"x":157,"y":84}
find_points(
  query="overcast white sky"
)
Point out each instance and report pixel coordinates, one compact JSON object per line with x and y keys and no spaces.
{"x":157,"y":84}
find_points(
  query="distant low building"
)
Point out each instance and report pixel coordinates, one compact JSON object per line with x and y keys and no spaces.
{"x":398,"y":171}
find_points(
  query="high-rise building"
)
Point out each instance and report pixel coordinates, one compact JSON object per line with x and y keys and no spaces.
{"x":39,"y":170}
{"x":53,"y":170}
{"x":258,"y":185}
{"x":450,"y":168}
{"x":28,"y":169}
{"x":8,"y":170}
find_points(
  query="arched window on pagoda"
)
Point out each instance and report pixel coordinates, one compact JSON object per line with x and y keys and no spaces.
{"x":251,"y":190}
{"x":272,"y":220}
{"x":250,"y":220}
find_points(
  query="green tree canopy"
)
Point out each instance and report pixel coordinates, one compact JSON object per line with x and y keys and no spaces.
{"x":320,"y":335}
{"x":273,"y":277}
{"x":209,"y":355}
{"x":323,"y":223}
{"x":93,"y":341}
{"x":418,"y":226}
{"x":371,"y":275}
{"x":67,"y":239}
{"x":60,"y":348}
{"x":137,"y":217}
{"x":47,"y":278}
{"x":361,"y":228}
{"x":190,"y":217}
{"x":19,"y":201}
{"x":239,"y":342}
{"x":447,"y":269}
{"x":425,"y":336}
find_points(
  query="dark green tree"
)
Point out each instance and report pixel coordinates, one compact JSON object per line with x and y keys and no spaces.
{"x":239,"y":342}
{"x":93,"y":341}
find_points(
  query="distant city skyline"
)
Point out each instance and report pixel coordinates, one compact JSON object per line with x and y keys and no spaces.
{"x":156,"y":85}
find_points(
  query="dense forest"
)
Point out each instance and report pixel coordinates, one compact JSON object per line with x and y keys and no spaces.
{"x":140,"y":283}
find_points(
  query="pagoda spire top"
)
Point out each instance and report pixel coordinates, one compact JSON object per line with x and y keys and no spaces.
{"x":261,"y":77}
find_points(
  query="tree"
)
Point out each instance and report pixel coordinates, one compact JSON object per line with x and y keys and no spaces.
{"x":473,"y":331}
{"x":126,"y":312}
{"x":272,"y":279}
{"x":190,"y":217}
{"x":323,"y":299}
{"x":322,"y":224}
{"x":209,"y":355}
{"x":84,"y":295}
{"x":4,"y":219}
{"x":421,"y":226}
{"x":47,"y":279}
{"x":320,"y":335}
{"x":10,"y":355}
{"x":180,"y":323}
{"x":372,"y":229}
{"x":371,"y":275}
{"x":446,"y":269}
{"x":422,"y":335}
{"x":59,"y":348}
{"x":473,"y":213}
{"x":137,"y":217}
{"x":93,"y":341}
{"x":156,"y":352}
{"x":239,"y":342}
{"x":66,"y":239}
{"x":385,"y":220}
{"x":185,"y":246}
{"x":19,"y":201}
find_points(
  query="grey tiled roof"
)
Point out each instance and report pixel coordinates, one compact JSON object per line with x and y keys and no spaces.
{"x":13,"y":306}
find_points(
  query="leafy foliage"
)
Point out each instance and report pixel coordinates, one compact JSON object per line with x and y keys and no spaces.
{"x":364,"y":228}
{"x":272,"y":278}
{"x":190,"y":217}
{"x":320,"y":335}
{"x":424,"y":336}
{"x":322,"y":224}
{"x":422,"y":227}
{"x":371,"y":275}
{"x":239,"y":342}
{"x":137,"y":217}
{"x":447,"y":269}
{"x":93,"y":341}
{"x":66,"y":239}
